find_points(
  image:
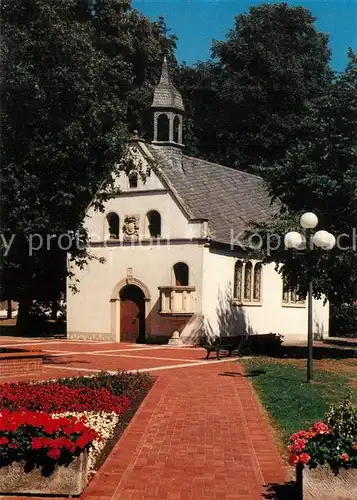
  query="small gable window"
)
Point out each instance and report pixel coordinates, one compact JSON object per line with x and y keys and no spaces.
{"x":181,"y":274}
{"x":163,"y":128}
{"x":133,"y":180}
{"x":247,"y":283}
{"x":154,"y":223}
{"x":113,"y":225}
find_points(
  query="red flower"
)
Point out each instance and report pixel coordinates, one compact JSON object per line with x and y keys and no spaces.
{"x":304,"y":458}
{"x":55,"y":397}
{"x":298,"y":445}
{"x":321,"y":428}
{"x":3,"y":440}
{"x":294,"y":459}
{"x":14,"y":446}
{"x":37,"y":443}
{"x":354,"y":446}
{"x":54,"y":453}
{"x":345,"y":457}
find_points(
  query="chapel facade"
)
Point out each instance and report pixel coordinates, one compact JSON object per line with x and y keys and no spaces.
{"x":175,"y":263}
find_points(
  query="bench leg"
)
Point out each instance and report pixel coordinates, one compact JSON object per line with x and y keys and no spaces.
{"x":208,"y":353}
{"x":230,"y":353}
{"x":217,"y":354}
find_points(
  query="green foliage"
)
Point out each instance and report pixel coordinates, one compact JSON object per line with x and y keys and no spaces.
{"x":342,"y":418}
{"x":131,"y":385}
{"x":250,"y":102}
{"x":343,"y":320}
{"x":319,"y":174}
{"x":75,"y":75}
{"x":332,"y":442}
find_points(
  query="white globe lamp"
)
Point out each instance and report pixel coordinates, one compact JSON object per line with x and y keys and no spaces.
{"x":309,"y":220}
{"x":324,"y":240}
{"x":293,"y":239}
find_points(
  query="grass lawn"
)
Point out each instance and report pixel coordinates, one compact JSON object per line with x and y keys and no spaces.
{"x":293,"y":403}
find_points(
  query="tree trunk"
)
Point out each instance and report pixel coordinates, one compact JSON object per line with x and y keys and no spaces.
{"x":54,"y":310}
{"x":23,"y":323}
{"x":9,"y":309}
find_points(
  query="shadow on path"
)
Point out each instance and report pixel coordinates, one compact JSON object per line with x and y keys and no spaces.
{"x":285,"y":491}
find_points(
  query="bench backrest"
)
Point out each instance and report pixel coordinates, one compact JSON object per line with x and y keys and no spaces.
{"x":231,"y":340}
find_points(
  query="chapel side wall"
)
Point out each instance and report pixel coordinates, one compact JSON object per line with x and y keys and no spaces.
{"x":221,"y":316}
{"x":90,"y":312}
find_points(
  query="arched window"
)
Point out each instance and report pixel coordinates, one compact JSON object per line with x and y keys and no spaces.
{"x":176,"y":129}
{"x":154,"y":223}
{"x":163,"y":128}
{"x":248,"y":281}
{"x":113,"y":225}
{"x":181,"y":274}
{"x":257,"y":281}
{"x":133,"y":180}
{"x":238,"y":278}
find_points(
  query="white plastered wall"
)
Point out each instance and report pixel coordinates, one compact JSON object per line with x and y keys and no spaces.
{"x":271,"y":316}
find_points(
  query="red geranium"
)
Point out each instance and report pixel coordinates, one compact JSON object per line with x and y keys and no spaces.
{"x":38,"y":434}
{"x":58,"y":398}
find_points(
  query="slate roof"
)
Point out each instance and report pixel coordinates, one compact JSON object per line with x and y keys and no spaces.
{"x":231,"y":200}
{"x":165,"y":94}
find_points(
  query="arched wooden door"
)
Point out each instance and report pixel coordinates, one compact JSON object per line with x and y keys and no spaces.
{"x":132,"y":314}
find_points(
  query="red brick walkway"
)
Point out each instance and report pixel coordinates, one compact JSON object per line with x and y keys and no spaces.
{"x":200,"y":433}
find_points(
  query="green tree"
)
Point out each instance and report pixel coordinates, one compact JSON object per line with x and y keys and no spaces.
{"x":319,"y":174}
{"x":258,"y":87}
{"x":72,"y":70}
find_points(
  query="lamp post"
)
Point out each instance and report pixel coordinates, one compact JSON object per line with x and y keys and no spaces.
{"x":321,"y":239}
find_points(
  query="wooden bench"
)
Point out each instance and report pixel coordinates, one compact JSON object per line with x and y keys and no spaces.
{"x":224,"y":343}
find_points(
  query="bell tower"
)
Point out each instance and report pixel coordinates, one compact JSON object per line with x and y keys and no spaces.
{"x":168,"y":109}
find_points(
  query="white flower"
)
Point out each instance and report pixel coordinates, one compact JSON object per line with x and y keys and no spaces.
{"x":103,"y":423}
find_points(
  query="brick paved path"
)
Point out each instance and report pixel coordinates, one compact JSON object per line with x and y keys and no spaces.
{"x":200,"y":433}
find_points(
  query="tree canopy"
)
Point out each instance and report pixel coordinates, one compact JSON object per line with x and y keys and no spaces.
{"x":257,"y":87}
{"x":72,"y":70}
{"x":319,"y":174}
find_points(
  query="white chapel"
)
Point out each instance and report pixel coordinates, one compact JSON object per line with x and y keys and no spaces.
{"x":170,"y":242}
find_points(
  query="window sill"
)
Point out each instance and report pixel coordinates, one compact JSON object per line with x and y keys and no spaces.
{"x":291,"y":304}
{"x":235,"y":302}
{"x":176,"y":314}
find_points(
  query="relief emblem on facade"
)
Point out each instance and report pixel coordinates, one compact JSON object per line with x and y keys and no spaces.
{"x":131,"y":228}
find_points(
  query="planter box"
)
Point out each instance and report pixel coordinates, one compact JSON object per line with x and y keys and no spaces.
{"x":322,"y":483}
{"x":65,"y":480}
{"x":15,"y":362}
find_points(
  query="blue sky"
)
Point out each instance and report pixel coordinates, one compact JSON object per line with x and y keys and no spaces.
{"x":198,"y":22}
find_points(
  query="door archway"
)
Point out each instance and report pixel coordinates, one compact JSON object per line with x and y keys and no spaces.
{"x":132,"y":314}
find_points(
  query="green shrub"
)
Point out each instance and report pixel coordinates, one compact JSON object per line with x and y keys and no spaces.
{"x":343,"y":322}
{"x":122,"y":383}
{"x":342,"y":418}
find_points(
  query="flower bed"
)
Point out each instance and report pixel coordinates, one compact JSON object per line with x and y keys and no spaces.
{"x":328,"y":449}
{"x":56,"y":397}
{"x":102,"y":403}
{"x":104,"y":424}
{"x":40,"y":453}
{"x":41,"y":438}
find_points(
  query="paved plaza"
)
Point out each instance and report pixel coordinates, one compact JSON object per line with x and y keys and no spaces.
{"x":200,"y":433}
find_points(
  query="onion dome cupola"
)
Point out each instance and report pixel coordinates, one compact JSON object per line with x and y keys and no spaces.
{"x":168,"y":108}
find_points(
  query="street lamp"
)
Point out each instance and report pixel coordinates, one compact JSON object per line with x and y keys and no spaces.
{"x":321,"y":239}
